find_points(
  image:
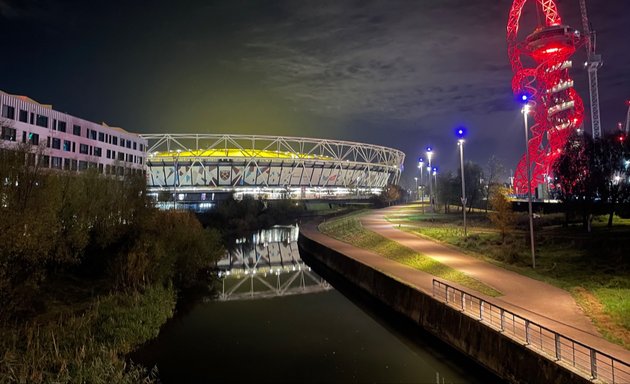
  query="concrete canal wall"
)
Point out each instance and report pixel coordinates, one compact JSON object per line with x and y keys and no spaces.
{"x":500,"y":354}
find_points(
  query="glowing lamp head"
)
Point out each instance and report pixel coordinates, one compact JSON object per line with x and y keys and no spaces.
{"x":435,"y":170}
{"x":524,"y":97}
{"x":429,"y":153}
{"x":460,"y":133}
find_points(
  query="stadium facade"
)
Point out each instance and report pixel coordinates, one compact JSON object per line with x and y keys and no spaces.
{"x":199,"y":169}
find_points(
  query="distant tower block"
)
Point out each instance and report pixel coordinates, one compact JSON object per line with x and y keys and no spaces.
{"x":558,"y":109}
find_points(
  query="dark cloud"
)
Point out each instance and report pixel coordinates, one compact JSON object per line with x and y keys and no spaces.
{"x":402,"y":73}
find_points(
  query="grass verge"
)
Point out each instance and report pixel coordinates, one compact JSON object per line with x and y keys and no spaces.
{"x":86,"y":347}
{"x":592,"y":267}
{"x":349,"y":230}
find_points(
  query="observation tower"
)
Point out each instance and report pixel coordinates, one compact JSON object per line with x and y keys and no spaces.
{"x":541,"y":63}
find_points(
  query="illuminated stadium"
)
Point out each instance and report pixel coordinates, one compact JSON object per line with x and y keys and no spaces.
{"x":199,"y":169}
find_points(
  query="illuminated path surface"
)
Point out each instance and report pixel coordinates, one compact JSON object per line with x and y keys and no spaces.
{"x":529,"y":298}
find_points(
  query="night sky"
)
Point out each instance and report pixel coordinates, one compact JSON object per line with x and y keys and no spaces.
{"x":397,"y":73}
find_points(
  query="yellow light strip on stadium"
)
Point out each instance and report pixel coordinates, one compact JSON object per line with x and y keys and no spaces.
{"x":233,"y":152}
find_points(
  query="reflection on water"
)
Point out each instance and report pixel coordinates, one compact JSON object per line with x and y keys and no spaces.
{"x":267,"y":264}
{"x":294,"y":337}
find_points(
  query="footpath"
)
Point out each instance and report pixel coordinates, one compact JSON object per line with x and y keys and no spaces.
{"x":540,"y":302}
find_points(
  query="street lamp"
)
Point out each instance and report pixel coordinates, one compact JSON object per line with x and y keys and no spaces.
{"x":421,"y":167}
{"x":525,"y":110}
{"x":430,"y":156}
{"x":461,"y":133}
{"x":434,"y":172}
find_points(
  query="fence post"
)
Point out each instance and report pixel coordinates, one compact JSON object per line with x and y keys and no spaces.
{"x":593,"y":364}
{"x":558,"y":346}
{"x":446,"y":295}
{"x":463,"y":302}
{"x":502,"y":319}
{"x":526,"y":331}
{"x":480,"y":309}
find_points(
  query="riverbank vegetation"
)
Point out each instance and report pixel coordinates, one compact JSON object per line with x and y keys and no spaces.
{"x":593,"y":266}
{"x":350,"y":230}
{"x":238,"y":218}
{"x":88,"y":270}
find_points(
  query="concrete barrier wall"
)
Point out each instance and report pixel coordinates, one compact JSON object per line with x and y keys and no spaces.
{"x":500,"y":354}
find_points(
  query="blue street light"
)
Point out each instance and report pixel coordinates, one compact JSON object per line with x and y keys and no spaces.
{"x":461,"y":133}
{"x":430,"y":156}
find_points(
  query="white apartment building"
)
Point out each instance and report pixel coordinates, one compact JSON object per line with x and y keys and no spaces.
{"x":68,"y":142}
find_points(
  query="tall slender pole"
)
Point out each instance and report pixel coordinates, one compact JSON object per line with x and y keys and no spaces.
{"x":429,"y":155}
{"x":529,"y":187}
{"x":421,"y":189}
{"x":461,"y":160}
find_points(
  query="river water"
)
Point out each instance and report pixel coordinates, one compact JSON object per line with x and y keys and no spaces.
{"x":276,"y":320}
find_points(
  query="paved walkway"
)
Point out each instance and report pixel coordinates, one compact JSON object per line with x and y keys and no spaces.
{"x":529,"y":298}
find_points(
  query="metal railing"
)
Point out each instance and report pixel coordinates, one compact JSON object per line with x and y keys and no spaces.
{"x":571,"y":353}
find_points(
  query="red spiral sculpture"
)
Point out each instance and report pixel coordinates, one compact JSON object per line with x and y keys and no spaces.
{"x":541,"y":66}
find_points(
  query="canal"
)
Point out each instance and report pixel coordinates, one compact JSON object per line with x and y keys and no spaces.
{"x":275,"y":319}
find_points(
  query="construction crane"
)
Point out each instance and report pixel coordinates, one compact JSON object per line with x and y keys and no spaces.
{"x":593,"y":63}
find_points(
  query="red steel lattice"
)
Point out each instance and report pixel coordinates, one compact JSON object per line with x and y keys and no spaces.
{"x":541,"y":64}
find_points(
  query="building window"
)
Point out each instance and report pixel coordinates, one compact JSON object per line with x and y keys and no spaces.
{"x":56,"y":143}
{"x":8,"y":112}
{"x":83,"y":148}
{"x":73,"y":165}
{"x":129,"y":144}
{"x":32,"y":118}
{"x":140,"y":160}
{"x":82,"y":165}
{"x":33,"y":138}
{"x":122,"y":142}
{"x":108,"y":154}
{"x":135,"y":146}
{"x":74,"y":147}
{"x":100,"y":168}
{"x":42,"y":121}
{"x":55,"y":162}
{"x":141,"y":147}
{"x":121,"y":156}
{"x":92,"y":134}
{"x":61,"y":126}
{"x":101,"y":136}
{"x":67,"y":145}
{"x":98,"y":152}
{"x":23,"y":116}
{"x":76,"y":130}
{"x":66,"y":164}
{"x":114,"y":140}
{"x":8,"y":134}
{"x":44,"y":161}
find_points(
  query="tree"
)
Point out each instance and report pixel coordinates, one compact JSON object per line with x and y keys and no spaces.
{"x":495,"y":171}
{"x":473,"y":173}
{"x":448,"y":190}
{"x":593,"y":171}
{"x":502,"y":215}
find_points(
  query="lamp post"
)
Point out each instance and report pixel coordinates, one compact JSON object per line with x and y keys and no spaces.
{"x":421,"y":167}
{"x":434,"y":172}
{"x":430,"y":156}
{"x":461,"y":132}
{"x":525,"y":111}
